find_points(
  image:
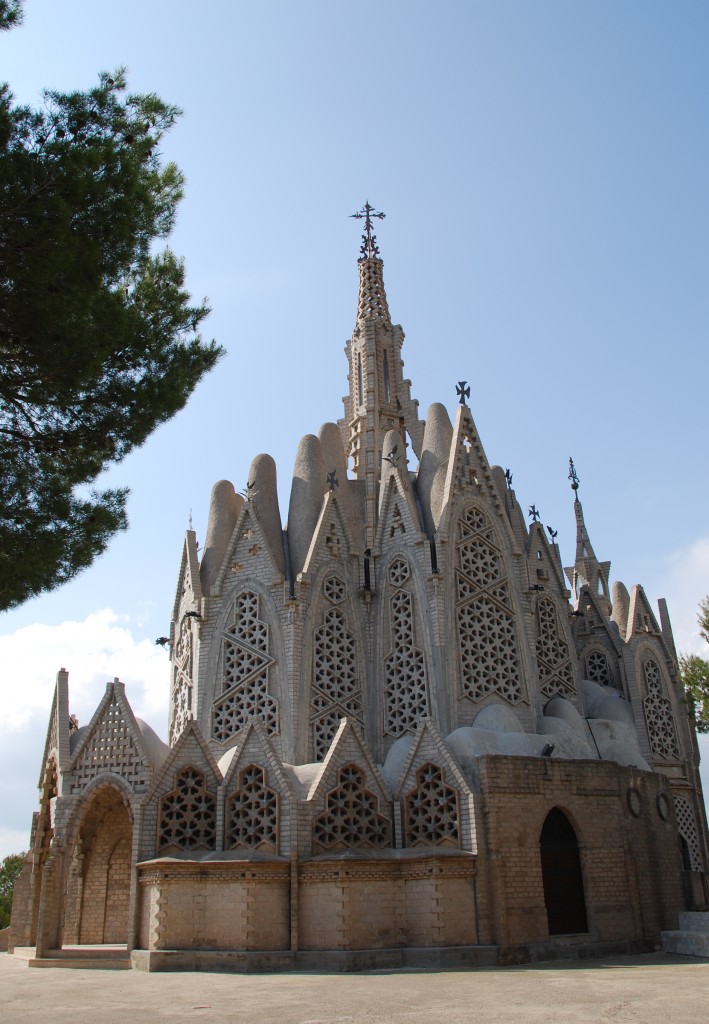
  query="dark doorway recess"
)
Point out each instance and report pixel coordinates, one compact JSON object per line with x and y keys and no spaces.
{"x":561,"y":876}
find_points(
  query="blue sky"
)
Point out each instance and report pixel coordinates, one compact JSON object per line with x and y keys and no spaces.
{"x":543,"y":167}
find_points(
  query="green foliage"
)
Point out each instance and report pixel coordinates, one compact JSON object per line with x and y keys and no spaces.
{"x":9,"y":870}
{"x":11,"y":13}
{"x":695,"y":674}
{"x":98,"y":340}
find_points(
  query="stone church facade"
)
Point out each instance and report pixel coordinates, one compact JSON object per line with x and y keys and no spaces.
{"x":395,"y":732}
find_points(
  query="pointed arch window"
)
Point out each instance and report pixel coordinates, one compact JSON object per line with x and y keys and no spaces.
{"x":658,"y":715}
{"x":489,"y":659}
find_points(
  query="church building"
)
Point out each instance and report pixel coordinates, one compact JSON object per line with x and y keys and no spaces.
{"x":401,"y":732}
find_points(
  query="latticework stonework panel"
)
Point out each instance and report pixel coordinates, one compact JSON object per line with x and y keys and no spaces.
{"x":246,"y":671}
{"x":598,"y":668}
{"x":181,"y":705}
{"x":404,"y":670}
{"x":658,"y":715}
{"x":399,"y":572}
{"x":687,"y":826}
{"x":110,"y":747}
{"x":188,"y":814}
{"x":336,"y":692}
{"x":489,"y":660}
{"x":553,"y":661}
{"x":431,"y":810}
{"x":252,"y":812}
{"x":351,"y":816}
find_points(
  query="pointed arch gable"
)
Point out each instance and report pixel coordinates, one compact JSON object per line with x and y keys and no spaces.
{"x":398,"y":516}
{"x":468,"y":473}
{"x":188,"y":775}
{"x":112,"y":742}
{"x":189,"y":585}
{"x":247,"y":554}
{"x":332,"y":536}
{"x":257,"y":795}
{"x":554,"y":649}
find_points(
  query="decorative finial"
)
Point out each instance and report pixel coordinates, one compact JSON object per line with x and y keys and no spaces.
{"x":534,"y":513}
{"x":552,"y":534}
{"x":332,"y":480}
{"x":369,"y":241}
{"x":190,"y":526}
{"x":573,"y":476}
{"x":462,"y":391}
{"x":508,"y":478}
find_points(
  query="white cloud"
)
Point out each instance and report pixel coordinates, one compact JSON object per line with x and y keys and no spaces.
{"x":684,"y":581}
{"x":94,"y":652}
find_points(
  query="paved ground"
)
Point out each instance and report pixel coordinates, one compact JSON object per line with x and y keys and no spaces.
{"x":651,"y":989}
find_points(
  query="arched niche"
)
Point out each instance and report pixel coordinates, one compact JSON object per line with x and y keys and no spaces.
{"x":562,"y":876}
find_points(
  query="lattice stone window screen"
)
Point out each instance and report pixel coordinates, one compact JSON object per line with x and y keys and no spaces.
{"x":553,"y":661}
{"x":246,"y":666}
{"x":334,"y":589}
{"x":399,"y":572}
{"x":252,"y":812}
{"x":658,"y":715}
{"x":351,"y":816}
{"x":598,"y":670}
{"x":431,"y":810}
{"x":404,"y":670}
{"x":188,"y":813}
{"x":336,"y":690}
{"x":489,"y":660}
{"x":687,"y":826}
{"x":110,"y":748}
{"x":181,"y":704}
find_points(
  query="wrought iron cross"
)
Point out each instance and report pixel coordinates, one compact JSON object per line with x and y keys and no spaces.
{"x":508,"y":478}
{"x":332,"y":480}
{"x":369,"y":240}
{"x":534,"y":513}
{"x":573,"y":476}
{"x":462,"y":391}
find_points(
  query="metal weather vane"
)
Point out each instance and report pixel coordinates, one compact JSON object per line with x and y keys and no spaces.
{"x":573,"y":476}
{"x":369,"y":240}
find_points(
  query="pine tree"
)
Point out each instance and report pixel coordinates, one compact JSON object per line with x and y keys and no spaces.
{"x":99,"y":343}
{"x":695,"y":674}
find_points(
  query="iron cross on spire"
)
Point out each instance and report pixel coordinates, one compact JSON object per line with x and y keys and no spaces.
{"x":369,"y":240}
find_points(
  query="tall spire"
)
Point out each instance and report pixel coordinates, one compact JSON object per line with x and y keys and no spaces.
{"x":379,"y":397}
{"x":371,"y":300}
{"x":587,"y":570}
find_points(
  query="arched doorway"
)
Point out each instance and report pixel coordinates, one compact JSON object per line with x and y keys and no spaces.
{"x":103,"y":865}
{"x":561,"y":876}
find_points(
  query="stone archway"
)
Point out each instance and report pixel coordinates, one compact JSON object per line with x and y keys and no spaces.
{"x":561,"y":876}
{"x":102,"y":869}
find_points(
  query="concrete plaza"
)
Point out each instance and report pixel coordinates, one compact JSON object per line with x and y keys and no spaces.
{"x":649,"y":989}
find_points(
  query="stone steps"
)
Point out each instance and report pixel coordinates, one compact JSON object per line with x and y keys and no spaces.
{"x":96,"y":958}
{"x":692,"y":937}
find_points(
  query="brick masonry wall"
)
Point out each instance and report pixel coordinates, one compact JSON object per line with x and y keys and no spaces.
{"x":628,"y":851}
{"x":227,"y":905}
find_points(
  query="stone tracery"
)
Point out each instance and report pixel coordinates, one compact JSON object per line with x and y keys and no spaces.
{"x":351,"y":816}
{"x":489,"y":659}
{"x":658,"y":715}
{"x":553,"y":658}
{"x":246,"y":666}
{"x":188,"y":813}
{"x":336,"y":691}
{"x":431,"y":810}
{"x":252,"y":812}
{"x":404,"y":666}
